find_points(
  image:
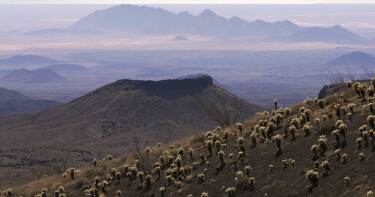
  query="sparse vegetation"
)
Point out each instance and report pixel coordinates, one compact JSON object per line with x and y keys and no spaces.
{"x":239,"y":160}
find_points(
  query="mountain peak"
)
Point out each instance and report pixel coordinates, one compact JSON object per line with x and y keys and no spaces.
{"x":339,"y":27}
{"x":207,"y":12}
{"x":169,"y":87}
{"x":40,"y":75}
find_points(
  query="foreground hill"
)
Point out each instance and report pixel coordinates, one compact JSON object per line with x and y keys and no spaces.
{"x":116,"y":119}
{"x":12,"y":102}
{"x":322,"y":147}
{"x":149,"y":20}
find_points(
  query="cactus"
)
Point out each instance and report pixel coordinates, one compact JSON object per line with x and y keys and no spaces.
{"x":221,"y":158}
{"x":241,"y":156}
{"x":118,"y":193}
{"x":277,"y":139}
{"x":362,"y":156}
{"x":344,"y":158}
{"x":240,"y":128}
{"x":371,"y":121}
{"x":322,"y":142}
{"x":8,"y":193}
{"x":307,"y":128}
{"x":254,"y":137}
{"x":325,"y":165}
{"x":293,"y":130}
{"x":347,"y":180}
{"x":275,"y":102}
{"x":248,"y":170}
{"x":209,"y":145}
{"x":72,"y":172}
{"x":162,"y":191}
{"x":359,"y":142}
{"x":251,"y":183}
{"x":240,"y":179}
{"x":312,"y":177}
{"x":315,"y":148}
{"x":201,"y":178}
{"x":270,"y":129}
{"x":231,"y":192}
{"x":204,"y":194}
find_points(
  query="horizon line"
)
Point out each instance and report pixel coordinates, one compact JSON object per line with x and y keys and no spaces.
{"x":186,"y":3}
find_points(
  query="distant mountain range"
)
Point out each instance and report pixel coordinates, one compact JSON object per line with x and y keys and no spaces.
{"x":26,"y":61}
{"x":356,"y":58}
{"x":36,"y":76}
{"x":148,"y":20}
{"x":12,"y":102}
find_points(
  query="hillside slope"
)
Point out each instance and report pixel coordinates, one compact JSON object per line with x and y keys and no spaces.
{"x":36,"y":76}
{"x":116,"y":118}
{"x":323,"y":147}
{"x":13,"y":102}
{"x":356,"y":58}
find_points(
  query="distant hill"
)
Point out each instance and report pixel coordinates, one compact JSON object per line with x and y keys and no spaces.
{"x":7,"y":95}
{"x":336,"y":34}
{"x":180,"y":38}
{"x":42,"y":75}
{"x":116,"y":118}
{"x":19,"y":61}
{"x":12,"y":102}
{"x":356,"y":58}
{"x":148,"y":20}
{"x":67,"y":68}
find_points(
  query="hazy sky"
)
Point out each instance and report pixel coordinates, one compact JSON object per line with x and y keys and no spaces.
{"x":186,"y":1}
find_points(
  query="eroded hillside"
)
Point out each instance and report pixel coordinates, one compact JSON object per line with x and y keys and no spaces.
{"x":321,"y":147}
{"x":115,"y":119}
